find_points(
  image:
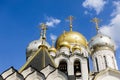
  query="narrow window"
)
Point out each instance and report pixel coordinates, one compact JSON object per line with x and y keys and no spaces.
{"x":77,"y":68}
{"x":63,"y":66}
{"x":105,"y":62}
{"x":97,"y":64}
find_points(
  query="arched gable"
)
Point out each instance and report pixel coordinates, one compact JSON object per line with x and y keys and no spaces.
{"x":57,"y":75}
{"x":15,"y":76}
{"x":35,"y":76}
{"x":108,"y":74}
{"x":27,"y":71}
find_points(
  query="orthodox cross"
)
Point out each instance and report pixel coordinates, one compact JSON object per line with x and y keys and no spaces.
{"x":43,"y":28}
{"x":70,"y":18}
{"x":96,"y":21}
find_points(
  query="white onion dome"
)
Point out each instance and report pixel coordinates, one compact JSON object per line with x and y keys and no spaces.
{"x":101,"y":40}
{"x":34,"y":46}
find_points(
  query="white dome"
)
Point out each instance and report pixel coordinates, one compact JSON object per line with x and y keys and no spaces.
{"x":101,"y":40}
{"x":34,"y":46}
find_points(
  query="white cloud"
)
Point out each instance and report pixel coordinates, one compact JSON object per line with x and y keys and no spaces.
{"x":117,"y":8}
{"x":87,"y":13}
{"x":113,"y":28}
{"x":52,"y":22}
{"x":97,"y":5}
{"x":53,"y":37}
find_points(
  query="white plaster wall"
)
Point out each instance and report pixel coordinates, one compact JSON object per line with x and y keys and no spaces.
{"x":77,"y":51}
{"x":110,"y":58}
{"x":15,"y":76}
{"x":57,"y":75}
{"x":35,"y":76}
{"x":27,"y":71}
{"x":107,"y":76}
{"x":65,"y":50}
{"x":53,"y":54}
{"x":84,"y":69}
{"x":7,"y":73}
{"x":84,"y":66}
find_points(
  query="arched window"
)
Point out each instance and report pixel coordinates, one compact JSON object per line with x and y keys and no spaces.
{"x":105,"y":61}
{"x":63,"y":66}
{"x":77,"y":68}
{"x":97,"y":64}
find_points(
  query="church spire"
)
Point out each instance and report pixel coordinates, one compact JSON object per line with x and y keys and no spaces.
{"x":70,"y":18}
{"x":96,"y":21}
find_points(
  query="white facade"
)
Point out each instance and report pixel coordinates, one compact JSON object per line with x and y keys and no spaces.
{"x":103,"y":59}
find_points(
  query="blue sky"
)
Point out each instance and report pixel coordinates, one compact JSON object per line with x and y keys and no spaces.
{"x":19,"y":21}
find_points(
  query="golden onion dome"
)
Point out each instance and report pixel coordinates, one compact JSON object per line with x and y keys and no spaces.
{"x":52,"y":49}
{"x":76,"y":47}
{"x":72,"y":38}
{"x":64,"y":43}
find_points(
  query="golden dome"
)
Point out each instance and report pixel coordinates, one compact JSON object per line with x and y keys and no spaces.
{"x":72,"y":38}
{"x":52,"y":49}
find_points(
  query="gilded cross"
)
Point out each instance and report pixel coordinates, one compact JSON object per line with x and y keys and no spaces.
{"x":44,"y":28}
{"x":70,"y":18}
{"x":96,"y":21}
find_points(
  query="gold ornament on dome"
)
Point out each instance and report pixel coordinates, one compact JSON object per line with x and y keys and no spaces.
{"x":64,"y":44}
{"x":76,"y":47}
{"x":52,"y":49}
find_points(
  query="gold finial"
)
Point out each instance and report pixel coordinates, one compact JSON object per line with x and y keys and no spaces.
{"x":70,"y":18}
{"x":96,"y":21}
{"x":43,"y":32}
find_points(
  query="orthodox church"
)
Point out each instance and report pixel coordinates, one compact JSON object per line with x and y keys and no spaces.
{"x":68,"y":59}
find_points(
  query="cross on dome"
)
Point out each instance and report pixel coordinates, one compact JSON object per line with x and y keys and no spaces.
{"x":43,"y":30}
{"x":70,"y":18}
{"x":43,"y":26}
{"x":96,"y":21}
